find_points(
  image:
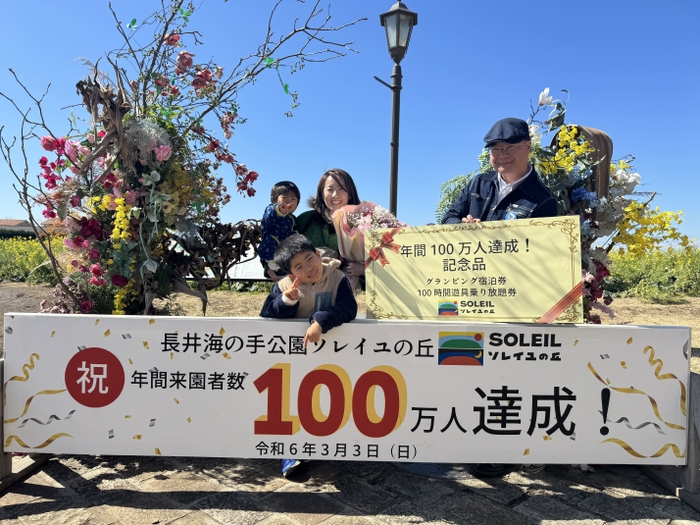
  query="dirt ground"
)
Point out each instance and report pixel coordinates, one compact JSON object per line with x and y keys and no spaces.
{"x":19,"y":297}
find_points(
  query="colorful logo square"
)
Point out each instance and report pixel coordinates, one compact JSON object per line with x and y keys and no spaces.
{"x":447,"y":308}
{"x":461,"y":348}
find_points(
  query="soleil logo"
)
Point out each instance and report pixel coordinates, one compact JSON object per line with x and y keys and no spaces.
{"x":461,"y":348}
{"x":447,"y":308}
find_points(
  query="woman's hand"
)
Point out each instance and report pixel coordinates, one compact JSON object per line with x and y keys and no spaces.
{"x":355,"y":269}
{"x":313,"y":334}
{"x":469,"y":218}
{"x":293,"y":293}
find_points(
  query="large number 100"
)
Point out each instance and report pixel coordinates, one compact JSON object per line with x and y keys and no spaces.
{"x":343,"y":400}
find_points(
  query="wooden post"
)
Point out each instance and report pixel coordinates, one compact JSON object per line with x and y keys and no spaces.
{"x":690,"y":473}
{"x":5,"y":457}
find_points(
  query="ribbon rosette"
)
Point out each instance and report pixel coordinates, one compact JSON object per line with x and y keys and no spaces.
{"x":377,"y":253}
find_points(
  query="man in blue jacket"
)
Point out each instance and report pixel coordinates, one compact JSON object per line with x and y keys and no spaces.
{"x":512,"y":190}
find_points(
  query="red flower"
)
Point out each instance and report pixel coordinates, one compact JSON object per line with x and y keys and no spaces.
{"x":252,"y":176}
{"x":213,"y":145}
{"x":119,"y":280}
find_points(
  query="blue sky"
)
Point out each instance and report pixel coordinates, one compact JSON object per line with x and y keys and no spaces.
{"x":631,"y":69}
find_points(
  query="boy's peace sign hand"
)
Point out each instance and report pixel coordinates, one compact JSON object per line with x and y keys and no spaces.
{"x":293,"y":293}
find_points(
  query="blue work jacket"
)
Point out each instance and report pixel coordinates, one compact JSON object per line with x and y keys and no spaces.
{"x":529,"y":199}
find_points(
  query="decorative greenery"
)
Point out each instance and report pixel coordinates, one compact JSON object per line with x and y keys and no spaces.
{"x":138,"y":190}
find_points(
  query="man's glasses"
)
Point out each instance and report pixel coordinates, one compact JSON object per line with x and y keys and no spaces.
{"x":505,"y":150}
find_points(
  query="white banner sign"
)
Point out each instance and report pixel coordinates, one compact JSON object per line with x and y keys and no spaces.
{"x":370,"y":390}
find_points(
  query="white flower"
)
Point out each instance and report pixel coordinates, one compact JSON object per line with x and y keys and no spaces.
{"x":545,"y":99}
{"x":535,"y":135}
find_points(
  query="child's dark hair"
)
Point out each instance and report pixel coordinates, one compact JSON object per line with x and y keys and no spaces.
{"x":284,"y":187}
{"x":291,"y":247}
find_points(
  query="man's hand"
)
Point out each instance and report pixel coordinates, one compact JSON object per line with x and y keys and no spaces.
{"x":293,"y":293}
{"x":469,"y":218}
{"x":313,"y":334}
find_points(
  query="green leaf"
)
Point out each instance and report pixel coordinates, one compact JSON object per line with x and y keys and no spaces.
{"x":132,"y":24}
{"x":286,"y":89}
{"x":269,"y":61}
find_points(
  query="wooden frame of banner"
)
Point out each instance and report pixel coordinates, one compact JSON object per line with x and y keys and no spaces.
{"x":12,"y":471}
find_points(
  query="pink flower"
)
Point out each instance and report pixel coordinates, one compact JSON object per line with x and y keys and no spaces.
{"x":162,"y":81}
{"x":131,"y":198}
{"x":98,"y":281}
{"x":71,"y":152}
{"x":94,"y":254}
{"x":101,"y":133}
{"x":96,"y":270}
{"x":73,"y":169}
{"x":73,"y":243}
{"x":75,"y":201}
{"x":184,"y":62}
{"x":213,"y":145}
{"x":48,"y":212}
{"x":163,"y":153}
{"x":48,"y":143}
{"x":86,"y":306}
{"x":119,"y":280}
{"x":74,"y":263}
{"x":252,"y":176}
{"x":171,"y":39}
{"x":83,"y":268}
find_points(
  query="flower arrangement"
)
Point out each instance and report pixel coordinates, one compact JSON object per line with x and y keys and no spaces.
{"x":353,"y":220}
{"x":578,"y":169}
{"x":137,"y":190}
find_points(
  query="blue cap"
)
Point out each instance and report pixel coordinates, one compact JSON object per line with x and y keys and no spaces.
{"x":510,"y":130}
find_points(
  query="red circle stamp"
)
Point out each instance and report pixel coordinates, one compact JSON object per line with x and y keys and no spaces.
{"x":94,"y":377}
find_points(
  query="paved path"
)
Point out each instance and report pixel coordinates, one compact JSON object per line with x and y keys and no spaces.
{"x":207,"y":491}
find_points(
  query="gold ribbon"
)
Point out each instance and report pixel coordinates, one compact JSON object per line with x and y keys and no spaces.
{"x":29,"y":402}
{"x":676,"y":451}
{"x":46,"y":443}
{"x":630,"y":390}
{"x":657,"y":371}
{"x":24,"y":377}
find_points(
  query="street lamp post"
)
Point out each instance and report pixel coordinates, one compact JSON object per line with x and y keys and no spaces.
{"x":398,"y":22}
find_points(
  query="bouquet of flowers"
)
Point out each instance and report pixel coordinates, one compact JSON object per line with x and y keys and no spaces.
{"x":353,"y":220}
